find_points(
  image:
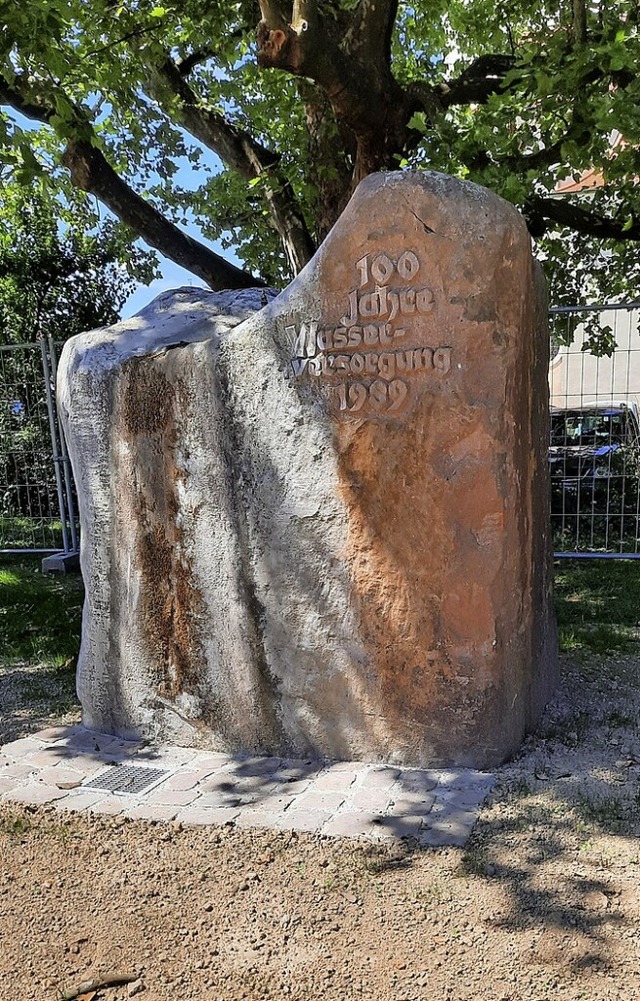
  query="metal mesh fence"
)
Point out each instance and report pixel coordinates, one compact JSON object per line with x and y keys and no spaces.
{"x":36,"y":491}
{"x":594,"y":454}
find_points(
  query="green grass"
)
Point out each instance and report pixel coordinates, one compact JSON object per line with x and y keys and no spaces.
{"x":14,"y":825}
{"x":598,"y":605}
{"x":30,"y":533}
{"x":40,"y":614}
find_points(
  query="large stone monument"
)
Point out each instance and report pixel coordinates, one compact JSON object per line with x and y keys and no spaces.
{"x":321,"y":528}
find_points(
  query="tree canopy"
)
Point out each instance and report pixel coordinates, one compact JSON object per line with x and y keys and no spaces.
{"x":301,"y":101}
{"x":57,"y":280}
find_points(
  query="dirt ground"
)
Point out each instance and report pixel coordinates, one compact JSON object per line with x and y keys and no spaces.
{"x":543,"y":903}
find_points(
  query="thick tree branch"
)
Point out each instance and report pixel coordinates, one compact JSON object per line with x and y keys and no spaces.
{"x":371,"y":30}
{"x":579,"y":22}
{"x":303,"y":47}
{"x":91,"y":172}
{"x":33,"y":106}
{"x":188,"y":64}
{"x":540,"y":211}
{"x":167,"y":86}
{"x":239,"y":151}
{"x":484,"y":77}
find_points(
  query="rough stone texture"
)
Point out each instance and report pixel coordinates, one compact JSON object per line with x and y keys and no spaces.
{"x":323,"y":530}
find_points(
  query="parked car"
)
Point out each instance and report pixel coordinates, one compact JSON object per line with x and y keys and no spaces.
{"x":594,"y":459}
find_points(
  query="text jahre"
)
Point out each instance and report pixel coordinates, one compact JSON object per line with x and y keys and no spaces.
{"x":384,"y":302}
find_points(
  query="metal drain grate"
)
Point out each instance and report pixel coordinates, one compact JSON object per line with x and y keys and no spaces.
{"x":126,"y":778}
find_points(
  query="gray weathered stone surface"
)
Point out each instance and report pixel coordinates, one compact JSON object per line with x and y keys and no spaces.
{"x":323,"y":530}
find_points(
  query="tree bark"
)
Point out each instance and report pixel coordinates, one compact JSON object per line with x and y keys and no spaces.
{"x":331,"y":155}
{"x":240,"y":152}
{"x":352,"y":67}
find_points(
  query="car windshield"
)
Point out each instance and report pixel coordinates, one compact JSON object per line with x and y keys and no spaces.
{"x":586,"y":427}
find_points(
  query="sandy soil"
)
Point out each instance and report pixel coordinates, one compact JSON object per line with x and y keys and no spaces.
{"x":543,"y":903}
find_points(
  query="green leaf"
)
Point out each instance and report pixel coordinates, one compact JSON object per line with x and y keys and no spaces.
{"x":418,"y":122}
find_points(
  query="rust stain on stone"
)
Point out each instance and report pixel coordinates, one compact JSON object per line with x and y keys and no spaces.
{"x":170,"y":606}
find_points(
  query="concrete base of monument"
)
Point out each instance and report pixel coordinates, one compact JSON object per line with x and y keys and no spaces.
{"x":317,"y":524}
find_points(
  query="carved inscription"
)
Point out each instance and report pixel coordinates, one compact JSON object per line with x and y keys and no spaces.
{"x":365,"y":355}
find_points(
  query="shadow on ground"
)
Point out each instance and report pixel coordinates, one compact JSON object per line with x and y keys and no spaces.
{"x":559,"y":833}
{"x":33,"y":696}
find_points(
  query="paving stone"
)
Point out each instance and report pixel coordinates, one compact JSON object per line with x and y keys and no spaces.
{"x":467,"y":777}
{"x":170,"y":797}
{"x":336,"y":779}
{"x":315,"y":799}
{"x":380,"y":778}
{"x":258,"y":818}
{"x":250,"y":785}
{"x":246,"y":790}
{"x":249,"y":767}
{"x":56,"y":774}
{"x":452,"y":814}
{"x":357,"y":824}
{"x":460,"y":798}
{"x":201,"y":776}
{"x":113,"y":805}
{"x":450,"y":776}
{"x":44,"y":758}
{"x":9,"y":782}
{"x":80,"y":738}
{"x":54,"y":733}
{"x":180,"y":780}
{"x":77,"y":801}
{"x":302,"y":820}
{"x":272,"y":804}
{"x":87,"y":765}
{"x":452,"y":828}
{"x":169,"y":757}
{"x":146,"y":812}
{"x":408,"y":806}
{"x":207,"y":763}
{"x":418,"y":781}
{"x":38,"y":794}
{"x":293,"y":769}
{"x":294,"y":788}
{"x":201,"y":815}
{"x":19,"y":748}
{"x":19,"y":770}
{"x":373,"y":800}
{"x":407,"y":826}
{"x":345,"y":766}
{"x":219,"y":801}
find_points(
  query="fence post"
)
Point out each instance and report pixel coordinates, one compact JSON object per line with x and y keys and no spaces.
{"x":59,"y":562}
{"x":65,"y":460}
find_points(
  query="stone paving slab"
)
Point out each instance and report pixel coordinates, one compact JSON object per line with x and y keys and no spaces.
{"x":342,"y":799}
